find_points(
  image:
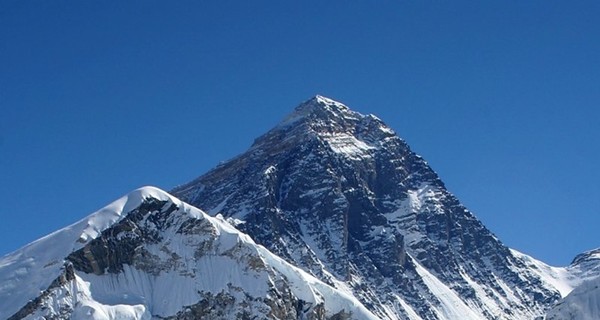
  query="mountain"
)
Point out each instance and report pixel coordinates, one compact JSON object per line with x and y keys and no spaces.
{"x":150,"y":256}
{"x":340,"y":195}
{"x":329,"y":215}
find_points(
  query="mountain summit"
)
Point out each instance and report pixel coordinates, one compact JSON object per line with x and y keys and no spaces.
{"x":339,"y":194}
{"x":329,"y":215}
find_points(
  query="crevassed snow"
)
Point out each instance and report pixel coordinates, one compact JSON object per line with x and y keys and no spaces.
{"x":77,"y":293}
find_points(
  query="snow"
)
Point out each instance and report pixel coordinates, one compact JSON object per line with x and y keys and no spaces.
{"x":583,"y":303}
{"x":559,"y":278}
{"x":138,"y":294}
{"x":451,"y":305}
{"x":412,"y":314}
{"x":348,"y":145}
{"x":563,"y":279}
{"x":309,"y":107}
{"x":167,"y":293}
{"x":424,"y":198}
{"x":316,"y":291}
{"x":219,"y":207}
{"x":31,"y":269}
{"x":578,"y":284}
{"x":329,"y":101}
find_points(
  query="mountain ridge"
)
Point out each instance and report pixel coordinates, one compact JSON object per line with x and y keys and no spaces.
{"x":118,"y":272}
{"x":344,"y":197}
{"x":353,"y":224}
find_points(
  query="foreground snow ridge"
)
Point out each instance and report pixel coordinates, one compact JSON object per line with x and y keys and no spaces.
{"x":31,"y":269}
{"x":185,"y":264}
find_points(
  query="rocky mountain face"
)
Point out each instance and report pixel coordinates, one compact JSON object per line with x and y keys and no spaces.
{"x":151,"y":256}
{"x":339,"y":219}
{"x":340,"y":195}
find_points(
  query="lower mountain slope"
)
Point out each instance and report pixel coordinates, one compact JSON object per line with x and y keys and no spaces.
{"x":150,"y":256}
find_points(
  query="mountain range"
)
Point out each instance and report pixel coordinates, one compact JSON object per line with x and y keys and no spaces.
{"x":329,"y":215}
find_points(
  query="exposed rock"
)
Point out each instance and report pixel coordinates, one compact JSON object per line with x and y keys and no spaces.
{"x":339,"y":194}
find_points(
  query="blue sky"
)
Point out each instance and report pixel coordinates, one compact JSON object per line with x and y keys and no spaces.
{"x":99,"y":98}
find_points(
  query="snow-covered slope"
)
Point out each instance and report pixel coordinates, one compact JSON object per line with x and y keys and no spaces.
{"x":578,"y":283}
{"x":583,"y":303}
{"x":585,"y":267}
{"x":30,"y":270}
{"x":340,"y":195}
{"x":149,"y":255}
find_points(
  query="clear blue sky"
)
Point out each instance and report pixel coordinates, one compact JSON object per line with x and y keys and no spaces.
{"x":501,"y":97}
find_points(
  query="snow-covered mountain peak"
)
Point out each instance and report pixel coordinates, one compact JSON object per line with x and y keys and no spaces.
{"x":341,"y":195}
{"x":592,"y":256}
{"x":153,"y":256}
{"x":42,"y":261}
{"x":320,"y":111}
{"x":319,"y":104}
{"x":331,"y":123}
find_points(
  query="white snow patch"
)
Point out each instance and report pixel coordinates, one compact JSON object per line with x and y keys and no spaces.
{"x":347,"y":144}
{"x":451,"y":305}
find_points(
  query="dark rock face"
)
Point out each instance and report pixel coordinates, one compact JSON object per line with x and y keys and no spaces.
{"x":123,"y":244}
{"x":340,"y":195}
